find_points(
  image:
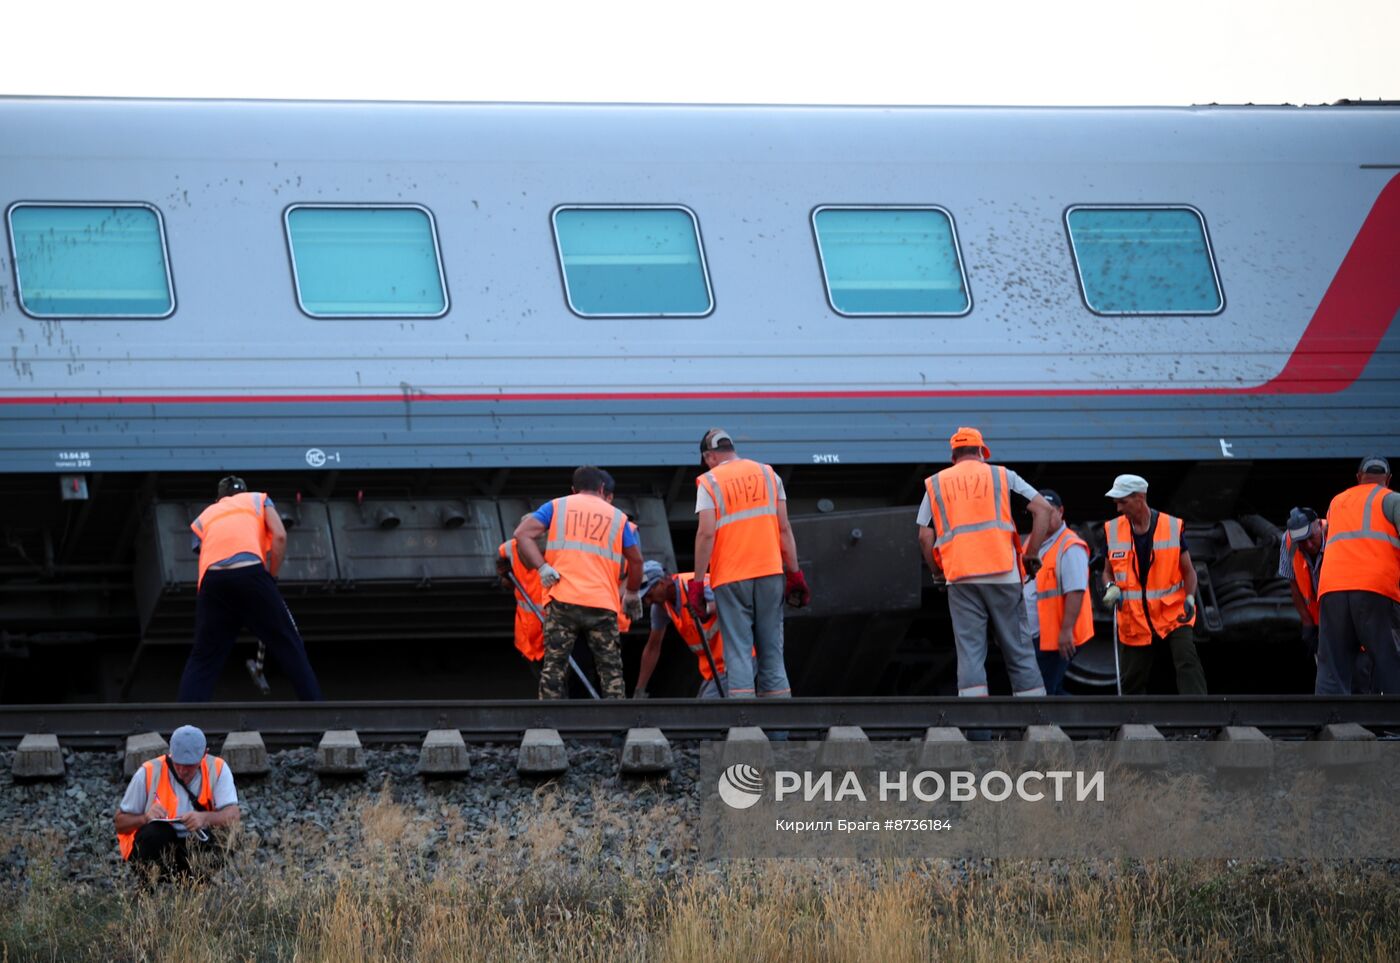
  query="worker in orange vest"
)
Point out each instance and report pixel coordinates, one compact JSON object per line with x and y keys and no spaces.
{"x":1300,"y":561}
{"x":241,"y":543}
{"x":529,"y":598}
{"x":967,"y":536}
{"x":587,"y":542}
{"x":668,"y":598}
{"x":1359,"y":587}
{"x":1154,"y":589}
{"x":1064,"y":617}
{"x":173,"y":799}
{"x":745,"y":544}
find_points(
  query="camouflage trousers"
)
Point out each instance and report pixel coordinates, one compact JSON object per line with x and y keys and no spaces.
{"x":562,"y":624}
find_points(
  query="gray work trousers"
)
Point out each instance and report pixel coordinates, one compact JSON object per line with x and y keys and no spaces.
{"x":975,"y":608}
{"x":751,"y":617}
{"x":1349,"y":620}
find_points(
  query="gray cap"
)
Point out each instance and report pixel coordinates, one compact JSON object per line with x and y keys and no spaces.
{"x":187,"y":746}
{"x":1373,"y":465}
{"x":1125,"y":485}
{"x":1300,"y":523}
{"x":652,"y":572}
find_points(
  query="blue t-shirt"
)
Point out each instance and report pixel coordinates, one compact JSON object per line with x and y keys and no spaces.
{"x":545,"y":513}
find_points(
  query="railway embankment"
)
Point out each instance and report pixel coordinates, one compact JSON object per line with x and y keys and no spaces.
{"x":592,"y":865}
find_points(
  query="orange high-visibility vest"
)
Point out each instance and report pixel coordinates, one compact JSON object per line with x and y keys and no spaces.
{"x":1050,"y":601}
{"x":585,"y":547}
{"x":1302,"y":572}
{"x":747,"y":540}
{"x":974,"y":533}
{"x":624,"y":624}
{"x":691,"y":632}
{"x":1363,"y":548}
{"x":230,"y":526}
{"x":158,"y":774}
{"x":529,"y":627}
{"x":1165,"y":593}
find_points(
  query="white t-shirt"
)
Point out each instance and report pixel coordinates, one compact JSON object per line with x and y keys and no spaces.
{"x":703,"y":500}
{"x":1018,"y":485}
{"x":135,"y":801}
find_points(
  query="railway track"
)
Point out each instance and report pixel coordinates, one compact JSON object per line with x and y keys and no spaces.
{"x":291,"y":723}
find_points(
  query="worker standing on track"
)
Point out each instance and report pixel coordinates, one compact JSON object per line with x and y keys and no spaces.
{"x":587,"y":541}
{"x":1359,"y":587}
{"x":529,"y":630}
{"x":172,"y":799}
{"x":1154,"y":588}
{"x":1063,"y":612}
{"x":242,"y":543}
{"x":745,"y":544}
{"x":966,"y":535}
{"x":667,"y":597}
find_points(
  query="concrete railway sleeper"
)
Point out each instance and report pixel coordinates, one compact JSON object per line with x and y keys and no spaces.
{"x":42,"y":732}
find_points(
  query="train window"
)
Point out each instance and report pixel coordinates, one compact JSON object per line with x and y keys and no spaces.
{"x":366,"y":261}
{"x":91,"y":260}
{"x":1144,"y":260}
{"x":627,"y":262}
{"x":891,"y":261}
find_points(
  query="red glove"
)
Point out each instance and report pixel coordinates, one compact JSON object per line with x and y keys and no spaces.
{"x":798,"y":594}
{"x":695,"y":598}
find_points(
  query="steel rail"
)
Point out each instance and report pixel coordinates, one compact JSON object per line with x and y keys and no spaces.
{"x":679,"y":718}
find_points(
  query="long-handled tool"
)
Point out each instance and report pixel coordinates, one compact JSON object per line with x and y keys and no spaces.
{"x":1117,"y":670}
{"x":530,"y":604}
{"x":255,"y":669}
{"x":710,"y":658}
{"x":699,"y":618}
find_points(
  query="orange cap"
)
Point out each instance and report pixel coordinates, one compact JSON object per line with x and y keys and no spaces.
{"x":969,"y":438}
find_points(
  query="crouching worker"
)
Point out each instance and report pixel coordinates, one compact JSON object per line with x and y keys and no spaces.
{"x":172,"y":804}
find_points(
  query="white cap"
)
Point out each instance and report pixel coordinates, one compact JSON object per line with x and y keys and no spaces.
{"x":1125,"y":485}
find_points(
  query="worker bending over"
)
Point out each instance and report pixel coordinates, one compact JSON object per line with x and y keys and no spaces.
{"x":524,"y":583}
{"x":667,"y":597}
{"x":745,"y":544}
{"x":587,"y":540}
{"x":1359,"y":588}
{"x":242,"y":543}
{"x":967,"y":536}
{"x":1154,"y":588}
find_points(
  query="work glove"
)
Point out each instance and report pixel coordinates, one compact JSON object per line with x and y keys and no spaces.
{"x":1111,"y":595}
{"x":1190,"y":613}
{"x":798,"y":594}
{"x":641,"y":694}
{"x":1032,"y":564}
{"x":695,"y":597}
{"x":549,"y":576}
{"x":632,"y":604}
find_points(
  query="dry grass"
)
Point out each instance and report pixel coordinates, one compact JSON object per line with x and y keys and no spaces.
{"x":547,"y":890}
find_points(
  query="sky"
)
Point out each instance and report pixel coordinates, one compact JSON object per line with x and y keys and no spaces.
{"x":718,"y":51}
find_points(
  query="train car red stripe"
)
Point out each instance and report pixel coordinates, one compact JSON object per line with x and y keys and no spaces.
{"x":1341,"y":338}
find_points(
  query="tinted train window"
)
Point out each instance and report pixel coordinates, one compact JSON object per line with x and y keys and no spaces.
{"x":366,"y":262}
{"x":91,"y":261}
{"x":1144,"y":260}
{"x":891,"y":261}
{"x":632,"y":262}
